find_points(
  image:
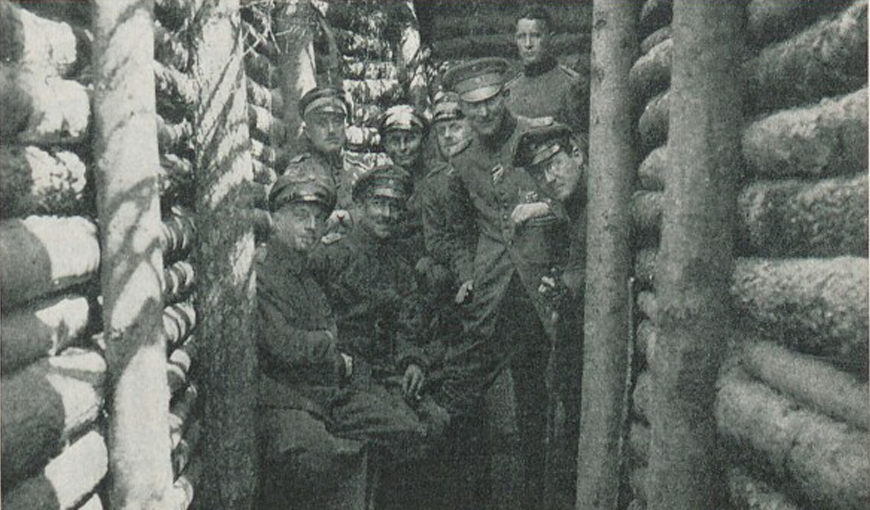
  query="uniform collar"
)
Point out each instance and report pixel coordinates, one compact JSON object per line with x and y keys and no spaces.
{"x":288,"y":259}
{"x":503,"y":134}
{"x":333,"y":160}
{"x":539,"y":68}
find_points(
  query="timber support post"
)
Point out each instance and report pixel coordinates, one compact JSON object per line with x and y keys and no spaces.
{"x":224,"y":257}
{"x":608,"y":265}
{"x":296,"y":21}
{"x":695,"y":260}
{"x":131,"y":271}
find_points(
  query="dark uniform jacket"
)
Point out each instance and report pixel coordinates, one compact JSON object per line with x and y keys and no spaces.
{"x":300,"y":364}
{"x":378,"y":306}
{"x":335,"y":164}
{"x":550,"y":90}
{"x":530,"y":251}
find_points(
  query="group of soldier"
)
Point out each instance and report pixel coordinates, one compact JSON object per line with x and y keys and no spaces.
{"x":435,"y":300}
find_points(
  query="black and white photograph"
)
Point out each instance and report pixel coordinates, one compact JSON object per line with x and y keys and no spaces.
{"x":434,"y":255}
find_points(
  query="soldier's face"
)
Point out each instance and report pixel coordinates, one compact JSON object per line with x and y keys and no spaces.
{"x":485,"y":117}
{"x":453,"y":135}
{"x":381,"y":215}
{"x":563,"y":173}
{"x":325,"y":130}
{"x":532,"y":37}
{"x":404,"y":147}
{"x":300,"y":225}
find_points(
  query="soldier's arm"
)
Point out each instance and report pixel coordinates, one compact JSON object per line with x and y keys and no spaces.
{"x":284,"y":342}
{"x":448,"y":227}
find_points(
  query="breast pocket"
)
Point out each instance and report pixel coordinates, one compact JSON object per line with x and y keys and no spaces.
{"x":543,"y":241}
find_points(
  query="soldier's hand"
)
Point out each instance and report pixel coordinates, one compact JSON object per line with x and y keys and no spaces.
{"x":525,"y":212}
{"x":464,"y":292}
{"x":412,"y":383}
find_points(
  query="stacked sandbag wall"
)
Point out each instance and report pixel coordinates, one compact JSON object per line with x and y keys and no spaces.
{"x":792,"y":407}
{"x":53,"y":369}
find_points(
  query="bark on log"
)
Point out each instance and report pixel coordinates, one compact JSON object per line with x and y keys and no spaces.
{"x":179,"y":320}
{"x":749,"y":493}
{"x":640,"y":397}
{"x":263,"y":152}
{"x":181,"y":413}
{"x":651,"y":73}
{"x":37,"y":259}
{"x":367,"y":115}
{"x":42,"y":109}
{"x":295,"y":21}
{"x":810,"y":381}
{"x":33,"y":181}
{"x":652,"y":172}
{"x":40,"y":44}
{"x":178,"y":280}
{"x":264,"y":127}
{"x":259,"y":68}
{"x":182,"y":492}
{"x":805,"y":219}
{"x":259,"y":95}
{"x":177,"y":234}
{"x":127,"y":159}
{"x":828,"y":460}
{"x":362,"y":138}
{"x":170,"y":49}
{"x":225,"y":256}
{"x":653,"y":123}
{"x":654,"y":39}
{"x":368,"y":70}
{"x":645,"y":266}
{"x":607,"y":328}
{"x":646,"y":340}
{"x":183,"y":453}
{"x":638,"y":481}
{"x":694,"y":256}
{"x":93,"y":503}
{"x":646,"y":211}
{"x":826,"y":59}
{"x":501,"y":45}
{"x":173,"y":14}
{"x":41,"y":329}
{"x":820,"y":140}
{"x":362,"y":45}
{"x":263,"y":173}
{"x":648,"y":305}
{"x":176,"y":93}
{"x":774,"y":20}
{"x":175,"y":179}
{"x":383,"y":92}
{"x":174,"y":138}
{"x":815,"y":306}
{"x":180,"y":363}
{"x":655,"y":14}
{"x":45,"y":405}
{"x":638,"y":440}
{"x":67,"y":480}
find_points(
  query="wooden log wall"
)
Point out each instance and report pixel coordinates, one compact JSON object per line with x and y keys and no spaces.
{"x":53,"y":368}
{"x":792,"y":403}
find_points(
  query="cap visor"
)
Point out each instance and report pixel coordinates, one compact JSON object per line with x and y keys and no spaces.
{"x":480,"y":94}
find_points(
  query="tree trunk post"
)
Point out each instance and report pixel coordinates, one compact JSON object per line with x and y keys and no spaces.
{"x":131,"y":273}
{"x":296,"y":21}
{"x":695,"y":261}
{"x":224,"y":258}
{"x":606,"y":319}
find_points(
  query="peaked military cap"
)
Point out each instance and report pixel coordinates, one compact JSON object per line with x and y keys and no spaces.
{"x":305,"y":180}
{"x":402,"y":117}
{"x":327,"y":99}
{"x":446,"y":107}
{"x":539,"y":144}
{"x":383,"y":181}
{"x":477,"y":80}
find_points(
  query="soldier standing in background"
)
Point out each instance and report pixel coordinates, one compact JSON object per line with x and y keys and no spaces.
{"x":511,"y":325}
{"x":546,"y":88}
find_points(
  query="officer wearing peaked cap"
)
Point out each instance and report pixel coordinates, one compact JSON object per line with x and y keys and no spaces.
{"x":511,"y":325}
{"x":303,"y":181}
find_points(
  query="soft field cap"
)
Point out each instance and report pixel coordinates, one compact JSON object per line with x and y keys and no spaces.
{"x":477,"y":80}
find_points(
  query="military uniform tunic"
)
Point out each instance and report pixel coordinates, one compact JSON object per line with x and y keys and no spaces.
{"x":550,"y":90}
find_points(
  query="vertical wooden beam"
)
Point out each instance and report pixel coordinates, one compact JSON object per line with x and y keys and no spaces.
{"x":612,"y":164}
{"x":296,"y":21}
{"x":224,"y":258}
{"x":694,"y":262}
{"x":131,"y":272}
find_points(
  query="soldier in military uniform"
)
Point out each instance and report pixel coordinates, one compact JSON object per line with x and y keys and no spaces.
{"x":315,"y":417}
{"x":557,"y":158}
{"x":324,"y":113}
{"x":545,"y":88}
{"x":511,"y":326}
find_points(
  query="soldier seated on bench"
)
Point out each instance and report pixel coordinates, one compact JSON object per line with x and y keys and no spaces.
{"x":316,"y":416}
